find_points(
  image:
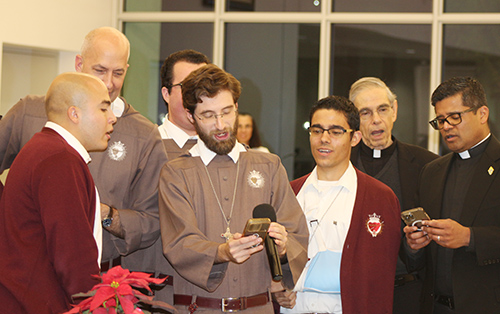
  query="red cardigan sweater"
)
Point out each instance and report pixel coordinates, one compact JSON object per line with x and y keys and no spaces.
{"x":47,"y":216}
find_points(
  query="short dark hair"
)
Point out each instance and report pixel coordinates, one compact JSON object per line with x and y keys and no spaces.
{"x":340,"y":104}
{"x":187,"y":55}
{"x":255,"y":137}
{"x":472,"y":91}
{"x":208,"y":81}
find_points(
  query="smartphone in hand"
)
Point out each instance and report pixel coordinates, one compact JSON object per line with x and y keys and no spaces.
{"x":258,"y":226}
{"x":414,"y":217}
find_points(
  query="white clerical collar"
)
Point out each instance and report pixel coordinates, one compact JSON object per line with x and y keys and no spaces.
{"x":377,"y":153}
{"x":466,"y":154}
{"x":169,"y":130}
{"x":348,"y":180}
{"x":118,"y":107}
{"x":70,"y":139}
{"x":207,"y":155}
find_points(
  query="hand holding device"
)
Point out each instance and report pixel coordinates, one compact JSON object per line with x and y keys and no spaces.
{"x":414,"y":217}
{"x":257,"y":226}
{"x":267,"y":211}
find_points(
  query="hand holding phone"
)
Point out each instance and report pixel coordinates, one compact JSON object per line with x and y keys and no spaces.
{"x":414,"y":217}
{"x":257,"y":226}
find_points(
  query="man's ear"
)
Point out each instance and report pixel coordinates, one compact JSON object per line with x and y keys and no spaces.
{"x":165,"y":94}
{"x":74,"y":114}
{"x":189,"y":116}
{"x":395,"y":108}
{"x":78,"y":63}
{"x":356,"y":137}
{"x":484,"y":113}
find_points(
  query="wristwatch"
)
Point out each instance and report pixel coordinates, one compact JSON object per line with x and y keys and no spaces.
{"x":106,"y":222}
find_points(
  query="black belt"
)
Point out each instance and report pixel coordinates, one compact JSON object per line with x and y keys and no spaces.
{"x":224,"y":304}
{"x":105,"y":266}
{"x":401,"y":280}
{"x":445,"y":300}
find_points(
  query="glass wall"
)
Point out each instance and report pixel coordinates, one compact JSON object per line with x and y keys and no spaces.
{"x":289,"y":53}
{"x":397,"y":54}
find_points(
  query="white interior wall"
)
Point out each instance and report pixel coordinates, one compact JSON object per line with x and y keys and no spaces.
{"x":39,"y":40}
{"x":47,"y":27}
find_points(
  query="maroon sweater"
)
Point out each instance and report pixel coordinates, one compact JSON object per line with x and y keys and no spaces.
{"x":47,"y":213}
{"x":368,"y":264}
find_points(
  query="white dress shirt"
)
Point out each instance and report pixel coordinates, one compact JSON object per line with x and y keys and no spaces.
{"x":169,"y":130}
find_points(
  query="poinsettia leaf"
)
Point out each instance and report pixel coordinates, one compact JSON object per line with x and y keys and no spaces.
{"x":100,"y":310}
{"x":139,"y":284}
{"x":142,"y":296}
{"x":131,"y":298}
{"x":102,"y":295}
{"x":146,"y":278}
{"x":124,"y":290}
{"x":111,"y":303}
{"x":83,"y":294}
{"x":158,"y":304}
{"x":84,"y":304}
{"x":127,"y":305}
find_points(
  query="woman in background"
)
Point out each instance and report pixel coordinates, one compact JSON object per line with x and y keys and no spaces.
{"x":248,"y":133}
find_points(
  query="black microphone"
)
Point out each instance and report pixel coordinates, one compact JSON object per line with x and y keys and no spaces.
{"x":267,"y":211}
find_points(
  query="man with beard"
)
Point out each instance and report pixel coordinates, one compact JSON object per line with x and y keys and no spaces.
{"x":206,"y":197}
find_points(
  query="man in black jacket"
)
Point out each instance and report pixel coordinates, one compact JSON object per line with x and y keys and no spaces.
{"x":395,"y":163}
{"x":459,"y":191}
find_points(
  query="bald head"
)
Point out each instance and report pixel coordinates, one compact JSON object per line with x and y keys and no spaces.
{"x":71,"y":89}
{"x":105,"y":36}
{"x":105,"y":52}
{"x":80,"y":104}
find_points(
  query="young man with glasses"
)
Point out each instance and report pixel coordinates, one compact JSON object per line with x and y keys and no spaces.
{"x":206,"y":197}
{"x":177,"y":132}
{"x":393,"y":162}
{"x":460,"y":191}
{"x":353,"y":222}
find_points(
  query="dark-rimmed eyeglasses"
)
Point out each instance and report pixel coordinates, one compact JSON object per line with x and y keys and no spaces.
{"x":452,"y":119}
{"x":337,"y":131}
{"x":178,"y":84}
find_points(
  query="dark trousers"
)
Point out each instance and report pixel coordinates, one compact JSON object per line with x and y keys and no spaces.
{"x":407,"y":298}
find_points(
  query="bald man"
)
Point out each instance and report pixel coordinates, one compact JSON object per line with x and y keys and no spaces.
{"x":126,"y":174}
{"x":50,"y":232}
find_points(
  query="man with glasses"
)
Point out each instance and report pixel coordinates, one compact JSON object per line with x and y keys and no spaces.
{"x":177,"y":132}
{"x":206,"y":197}
{"x":393,"y":162}
{"x":460,"y":192}
{"x":353,"y":222}
{"x":178,"y":135}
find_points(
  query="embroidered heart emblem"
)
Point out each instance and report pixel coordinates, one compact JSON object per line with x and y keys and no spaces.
{"x":374,"y":224}
{"x":374,"y":227}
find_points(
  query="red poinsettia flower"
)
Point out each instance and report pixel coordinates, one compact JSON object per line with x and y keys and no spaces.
{"x":115,"y":291}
